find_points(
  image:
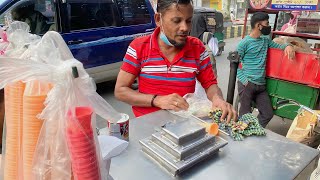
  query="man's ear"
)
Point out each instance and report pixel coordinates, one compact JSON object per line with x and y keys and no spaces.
{"x":157,"y":19}
{"x":258,"y":25}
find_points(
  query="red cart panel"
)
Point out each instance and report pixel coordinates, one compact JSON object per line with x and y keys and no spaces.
{"x":304,"y":69}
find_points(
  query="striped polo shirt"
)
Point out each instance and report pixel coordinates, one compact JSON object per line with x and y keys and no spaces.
{"x":253,"y":53}
{"x":156,"y":75}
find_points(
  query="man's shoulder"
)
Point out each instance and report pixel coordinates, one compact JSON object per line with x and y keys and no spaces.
{"x":245,"y":41}
{"x":141,"y":41}
{"x":194,"y":42}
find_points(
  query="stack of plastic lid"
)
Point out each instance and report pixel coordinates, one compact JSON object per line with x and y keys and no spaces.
{"x":81,"y":144}
{"x":32,"y":106}
{"x":13,"y":111}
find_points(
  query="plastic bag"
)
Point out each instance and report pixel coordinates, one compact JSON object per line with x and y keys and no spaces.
{"x":110,"y":147}
{"x":291,"y":28}
{"x":50,"y":61}
{"x":301,"y":129}
{"x":199,"y":104}
{"x":19,"y":39}
{"x":214,"y":45}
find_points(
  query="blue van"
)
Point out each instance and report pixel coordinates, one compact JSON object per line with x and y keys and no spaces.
{"x":97,"y":32}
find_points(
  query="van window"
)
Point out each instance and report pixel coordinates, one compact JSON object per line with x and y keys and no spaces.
{"x":134,"y":12}
{"x":85,"y":14}
{"x":38,"y":14}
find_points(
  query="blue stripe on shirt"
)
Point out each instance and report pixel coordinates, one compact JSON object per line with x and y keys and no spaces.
{"x":205,"y":65}
{"x":130,"y":62}
{"x":152,"y":59}
{"x":167,"y":78}
{"x":193,"y":61}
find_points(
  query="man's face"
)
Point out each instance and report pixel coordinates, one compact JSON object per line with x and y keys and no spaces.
{"x":262,"y":24}
{"x":175,"y":22}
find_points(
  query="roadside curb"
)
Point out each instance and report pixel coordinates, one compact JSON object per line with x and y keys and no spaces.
{"x":235,"y":31}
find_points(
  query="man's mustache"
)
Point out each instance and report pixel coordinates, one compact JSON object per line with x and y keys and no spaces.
{"x":182,"y":34}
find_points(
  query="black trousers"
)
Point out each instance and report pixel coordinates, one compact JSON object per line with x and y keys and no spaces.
{"x":257,"y":94}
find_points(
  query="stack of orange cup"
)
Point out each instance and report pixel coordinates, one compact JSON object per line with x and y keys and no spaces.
{"x":32,"y":106}
{"x":80,"y":139}
{"x":14,"y":114}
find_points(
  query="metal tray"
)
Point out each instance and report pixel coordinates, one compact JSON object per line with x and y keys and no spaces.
{"x":184,"y":132}
{"x":182,"y":152}
{"x":172,"y":164}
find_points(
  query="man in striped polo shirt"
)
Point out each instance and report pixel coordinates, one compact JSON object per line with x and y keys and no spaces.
{"x":251,"y":72}
{"x":167,"y":64}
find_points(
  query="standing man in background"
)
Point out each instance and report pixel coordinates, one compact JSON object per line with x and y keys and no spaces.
{"x":252,"y":69}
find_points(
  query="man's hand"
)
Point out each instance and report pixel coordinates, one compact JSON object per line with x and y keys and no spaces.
{"x":289,"y":52}
{"x":227,"y":109}
{"x":172,"y":102}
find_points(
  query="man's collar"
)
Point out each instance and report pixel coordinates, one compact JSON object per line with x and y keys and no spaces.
{"x":154,"y":41}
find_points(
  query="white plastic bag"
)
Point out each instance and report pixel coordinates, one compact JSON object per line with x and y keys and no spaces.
{"x":214,"y":45}
{"x":110,"y":147}
{"x":199,"y":107}
{"x":19,"y":39}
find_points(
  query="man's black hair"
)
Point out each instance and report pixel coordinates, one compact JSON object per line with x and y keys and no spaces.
{"x":257,"y":17}
{"x":163,"y":5}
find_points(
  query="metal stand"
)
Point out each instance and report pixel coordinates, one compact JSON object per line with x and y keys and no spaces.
{"x":234,"y":59}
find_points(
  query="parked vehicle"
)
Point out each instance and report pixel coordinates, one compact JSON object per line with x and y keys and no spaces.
{"x":214,"y":21}
{"x":97,"y":32}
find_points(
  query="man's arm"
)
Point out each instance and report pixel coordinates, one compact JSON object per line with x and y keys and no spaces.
{"x":124,"y":93}
{"x":215,"y":95}
{"x":214,"y":92}
{"x":273,"y":44}
{"x":241,"y":47}
{"x":209,"y":82}
{"x":288,"y":48}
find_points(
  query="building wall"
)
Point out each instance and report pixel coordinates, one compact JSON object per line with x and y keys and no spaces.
{"x":215,"y":4}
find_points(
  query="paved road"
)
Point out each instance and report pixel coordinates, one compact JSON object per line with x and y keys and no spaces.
{"x":106,"y":90}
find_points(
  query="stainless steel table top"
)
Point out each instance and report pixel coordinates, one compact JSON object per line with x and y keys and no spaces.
{"x":269,"y":157}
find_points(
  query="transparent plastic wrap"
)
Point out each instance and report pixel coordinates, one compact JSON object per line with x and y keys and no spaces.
{"x":19,"y":39}
{"x":199,"y":104}
{"x":50,"y":61}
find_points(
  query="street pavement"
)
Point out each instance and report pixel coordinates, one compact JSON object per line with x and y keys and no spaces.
{"x":106,"y":90}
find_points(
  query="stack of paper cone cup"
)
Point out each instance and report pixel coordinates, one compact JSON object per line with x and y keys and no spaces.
{"x":32,"y":107}
{"x":14,"y":114}
{"x":85,"y":165}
